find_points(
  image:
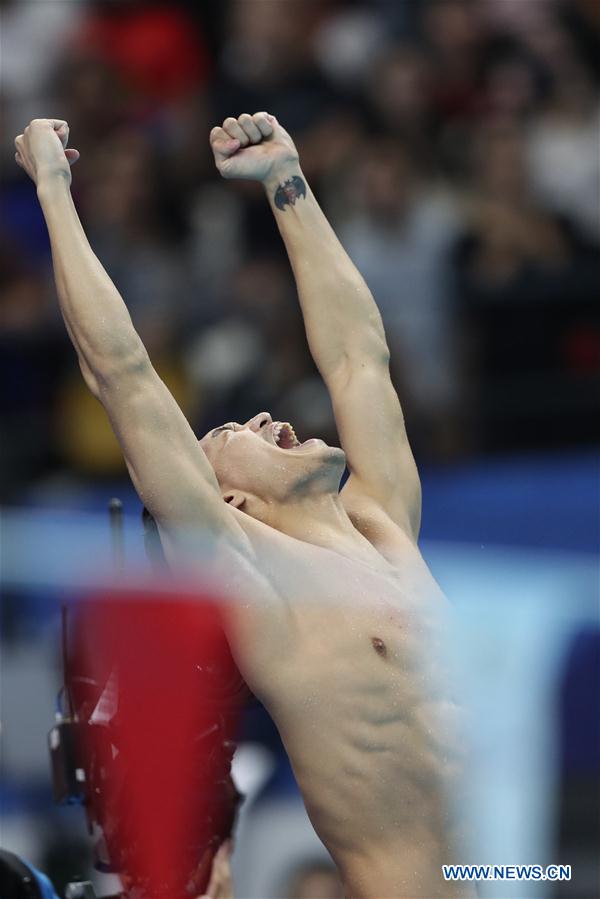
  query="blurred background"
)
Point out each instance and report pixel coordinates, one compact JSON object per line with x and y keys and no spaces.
{"x":454,"y":144}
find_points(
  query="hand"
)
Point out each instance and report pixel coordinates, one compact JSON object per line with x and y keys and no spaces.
{"x":253,"y":147}
{"x":42,"y":150}
{"x":220,"y":885}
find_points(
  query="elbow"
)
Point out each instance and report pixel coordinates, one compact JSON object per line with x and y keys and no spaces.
{"x":367,"y":357}
{"x":382,"y":352}
{"x":129,"y":361}
{"x":90,"y":378}
{"x":376,"y":335}
{"x":369,"y":339}
{"x":369,"y":348}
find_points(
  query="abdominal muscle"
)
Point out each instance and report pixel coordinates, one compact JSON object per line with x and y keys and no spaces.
{"x":358,"y":685}
{"x":375,"y":746}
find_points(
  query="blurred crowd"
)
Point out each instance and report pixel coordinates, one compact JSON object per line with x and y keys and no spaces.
{"x":453,"y":144}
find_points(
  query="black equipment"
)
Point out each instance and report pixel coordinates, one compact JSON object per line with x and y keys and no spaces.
{"x":17,"y":879}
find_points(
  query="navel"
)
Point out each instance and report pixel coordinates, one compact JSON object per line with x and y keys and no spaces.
{"x":379,"y":647}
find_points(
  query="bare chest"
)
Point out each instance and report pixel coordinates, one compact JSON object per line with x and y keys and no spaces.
{"x":336,"y":619}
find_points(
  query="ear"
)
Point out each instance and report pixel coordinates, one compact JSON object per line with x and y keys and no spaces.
{"x":235,"y":498}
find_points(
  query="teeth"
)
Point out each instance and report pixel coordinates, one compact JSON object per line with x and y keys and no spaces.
{"x":277,"y":429}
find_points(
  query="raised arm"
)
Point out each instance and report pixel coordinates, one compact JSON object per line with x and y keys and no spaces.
{"x":170,"y":471}
{"x":343,"y":325}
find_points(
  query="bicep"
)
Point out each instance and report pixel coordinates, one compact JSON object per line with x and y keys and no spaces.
{"x":169,"y":470}
{"x":373,"y":435}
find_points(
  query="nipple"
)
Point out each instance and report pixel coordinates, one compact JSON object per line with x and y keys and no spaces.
{"x":379,"y":646}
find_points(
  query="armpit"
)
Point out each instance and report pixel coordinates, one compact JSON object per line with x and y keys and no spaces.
{"x":373,"y":522}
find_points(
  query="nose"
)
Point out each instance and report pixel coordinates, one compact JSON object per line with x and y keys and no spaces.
{"x":259,"y":421}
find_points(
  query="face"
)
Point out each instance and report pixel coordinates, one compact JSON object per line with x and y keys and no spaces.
{"x":263,"y":461}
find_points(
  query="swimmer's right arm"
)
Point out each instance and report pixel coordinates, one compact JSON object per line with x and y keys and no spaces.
{"x":169,"y":469}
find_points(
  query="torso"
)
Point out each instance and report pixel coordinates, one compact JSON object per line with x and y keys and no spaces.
{"x":349,"y":658}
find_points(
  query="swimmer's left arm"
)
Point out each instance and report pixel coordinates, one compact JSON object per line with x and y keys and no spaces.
{"x":343,"y":325}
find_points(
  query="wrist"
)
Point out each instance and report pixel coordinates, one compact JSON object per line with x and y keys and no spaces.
{"x":49,"y":181}
{"x":282,"y":175}
{"x":281,"y":172}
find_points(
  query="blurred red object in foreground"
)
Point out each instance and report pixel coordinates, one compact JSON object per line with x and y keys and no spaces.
{"x":155,"y":679}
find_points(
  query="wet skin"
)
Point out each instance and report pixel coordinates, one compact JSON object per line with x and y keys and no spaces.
{"x":344,"y":642}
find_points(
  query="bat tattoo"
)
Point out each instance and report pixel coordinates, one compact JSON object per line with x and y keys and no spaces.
{"x":289,"y":192}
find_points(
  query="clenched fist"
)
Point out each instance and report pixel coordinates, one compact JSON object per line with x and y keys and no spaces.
{"x":253,"y":147}
{"x":42,"y":149}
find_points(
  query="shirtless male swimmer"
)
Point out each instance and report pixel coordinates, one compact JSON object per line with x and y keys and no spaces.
{"x":342,"y":629}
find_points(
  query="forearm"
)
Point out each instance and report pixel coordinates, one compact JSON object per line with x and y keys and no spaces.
{"x":96,"y":317}
{"x":340,"y":314}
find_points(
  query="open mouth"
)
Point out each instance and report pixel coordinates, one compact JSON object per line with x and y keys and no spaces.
{"x":284,"y":435}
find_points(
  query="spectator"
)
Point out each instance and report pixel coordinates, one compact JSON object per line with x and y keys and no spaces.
{"x":267,"y":63}
{"x":526,"y":280}
{"x":135,"y":228}
{"x":400,"y":93}
{"x":34,"y":37}
{"x":399,"y":230}
{"x":155,"y":47}
{"x":563,"y":150}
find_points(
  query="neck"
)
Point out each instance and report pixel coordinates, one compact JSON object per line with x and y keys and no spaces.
{"x":320,"y":520}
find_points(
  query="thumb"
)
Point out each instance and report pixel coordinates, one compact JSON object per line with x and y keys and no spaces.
{"x":72,"y":156}
{"x":224,"y":150}
{"x":223,"y":146}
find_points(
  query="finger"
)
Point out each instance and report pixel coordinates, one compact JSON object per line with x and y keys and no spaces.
{"x":224,"y":150}
{"x":56,"y":124}
{"x":246,"y":122}
{"x":63,"y":134}
{"x":261,"y":120}
{"x":72,"y":156}
{"x":233,"y":129}
{"x":59,"y":124}
{"x":217,"y":133}
{"x":18,"y":142}
{"x":219,"y":136}
{"x":18,"y":160}
{"x":222,"y":143}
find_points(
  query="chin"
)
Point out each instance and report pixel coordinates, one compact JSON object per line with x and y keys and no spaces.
{"x":334,"y":458}
{"x":322,"y":450}
{"x":337,"y":453}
